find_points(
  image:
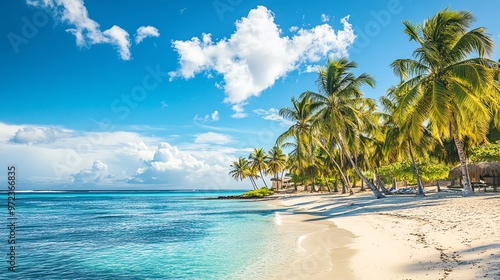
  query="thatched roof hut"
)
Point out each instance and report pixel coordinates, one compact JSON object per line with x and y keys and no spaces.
{"x":479,"y":171}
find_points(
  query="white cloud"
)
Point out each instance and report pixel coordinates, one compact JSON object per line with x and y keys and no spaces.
{"x":239,"y":111}
{"x":325,"y":18}
{"x":119,"y":37}
{"x":311,"y":69}
{"x":215,"y":116}
{"x":53,"y":154}
{"x":293,"y":28}
{"x":39,"y":135}
{"x":86,"y":31}
{"x":172,"y":166}
{"x":97,"y":174}
{"x":58,"y":158}
{"x":273,"y":115}
{"x":207,"y":118}
{"x":145,"y":31}
{"x":213,"y":138}
{"x":257,"y":54}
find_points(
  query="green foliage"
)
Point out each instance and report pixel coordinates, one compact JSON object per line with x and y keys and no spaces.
{"x":432,"y":170}
{"x":428,"y":170}
{"x":489,"y":152}
{"x":298,"y":178}
{"x":400,"y":170}
{"x":259,"y":193}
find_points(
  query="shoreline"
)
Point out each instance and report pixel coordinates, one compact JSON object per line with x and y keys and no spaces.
{"x":440,"y":236}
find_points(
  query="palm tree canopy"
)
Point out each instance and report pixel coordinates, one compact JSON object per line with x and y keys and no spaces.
{"x":240,"y":169}
{"x":442,"y":84}
{"x":276,"y":161}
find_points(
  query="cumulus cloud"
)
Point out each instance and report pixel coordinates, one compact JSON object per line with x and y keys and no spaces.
{"x":239,"y":111}
{"x":58,"y":158}
{"x":207,"y":118}
{"x":325,"y":18}
{"x":145,"y":31}
{"x":175,"y":167}
{"x":39,"y":135}
{"x":257,"y":54}
{"x":87,"y":31}
{"x":273,"y":115}
{"x":97,"y":174}
{"x":213,"y":138}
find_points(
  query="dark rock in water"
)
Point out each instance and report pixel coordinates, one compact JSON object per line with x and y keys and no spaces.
{"x":230,"y":197}
{"x":237,"y":197}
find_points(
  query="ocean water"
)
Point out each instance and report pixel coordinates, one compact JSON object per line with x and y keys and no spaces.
{"x":141,"y":235}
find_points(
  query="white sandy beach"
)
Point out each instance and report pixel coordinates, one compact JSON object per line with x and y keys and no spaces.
{"x":441,"y":236}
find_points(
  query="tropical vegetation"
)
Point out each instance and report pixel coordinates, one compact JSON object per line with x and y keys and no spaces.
{"x":445,"y":106}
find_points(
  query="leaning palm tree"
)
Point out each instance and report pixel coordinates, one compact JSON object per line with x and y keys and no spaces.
{"x":258,"y":159}
{"x":343,"y":111}
{"x":241,"y":170}
{"x":444,"y":86}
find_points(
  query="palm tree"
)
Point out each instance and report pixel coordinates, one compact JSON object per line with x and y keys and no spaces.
{"x":327,"y":143}
{"x":445,"y":87}
{"x":298,"y":136}
{"x":241,"y":170}
{"x":276,"y":162}
{"x":343,"y":111}
{"x":404,"y":138}
{"x":258,"y":159}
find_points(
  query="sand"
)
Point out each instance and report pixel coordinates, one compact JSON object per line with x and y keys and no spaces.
{"x":441,"y":236}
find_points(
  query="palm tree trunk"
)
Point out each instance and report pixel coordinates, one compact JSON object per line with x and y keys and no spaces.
{"x":374,"y":189}
{"x":254,"y":185}
{"x":345,"y":178}
{"x":468,"y":191}
{"x":328,"y":185}
{"x":380,"y":184}
{"x":260,"y":171}
{"x":420,"y":189}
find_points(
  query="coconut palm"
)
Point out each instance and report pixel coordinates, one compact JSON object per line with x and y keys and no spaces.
{"x":276,"y":161}
{"x":442,"y":85}
{"x":258,"y":161}
{"x":298,"y":136}
{"x":404,"y":138}
{"x":241,"y":170}
{"x":343,"y":111}
{"x":326,"y":141}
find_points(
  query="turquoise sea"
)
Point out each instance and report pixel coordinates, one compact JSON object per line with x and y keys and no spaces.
{"x":141,"y":235}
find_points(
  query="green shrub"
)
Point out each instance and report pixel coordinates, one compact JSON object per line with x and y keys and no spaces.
{"x":259,"y":193}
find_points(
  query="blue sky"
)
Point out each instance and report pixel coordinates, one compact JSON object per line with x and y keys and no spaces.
{"x":165,"y":94}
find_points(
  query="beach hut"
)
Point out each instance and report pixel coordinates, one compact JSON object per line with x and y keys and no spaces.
{"x":488,"y":172}
{"x":279,"y":183}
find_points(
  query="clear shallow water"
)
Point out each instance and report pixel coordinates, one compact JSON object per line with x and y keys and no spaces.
{"x":142,"y":235}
